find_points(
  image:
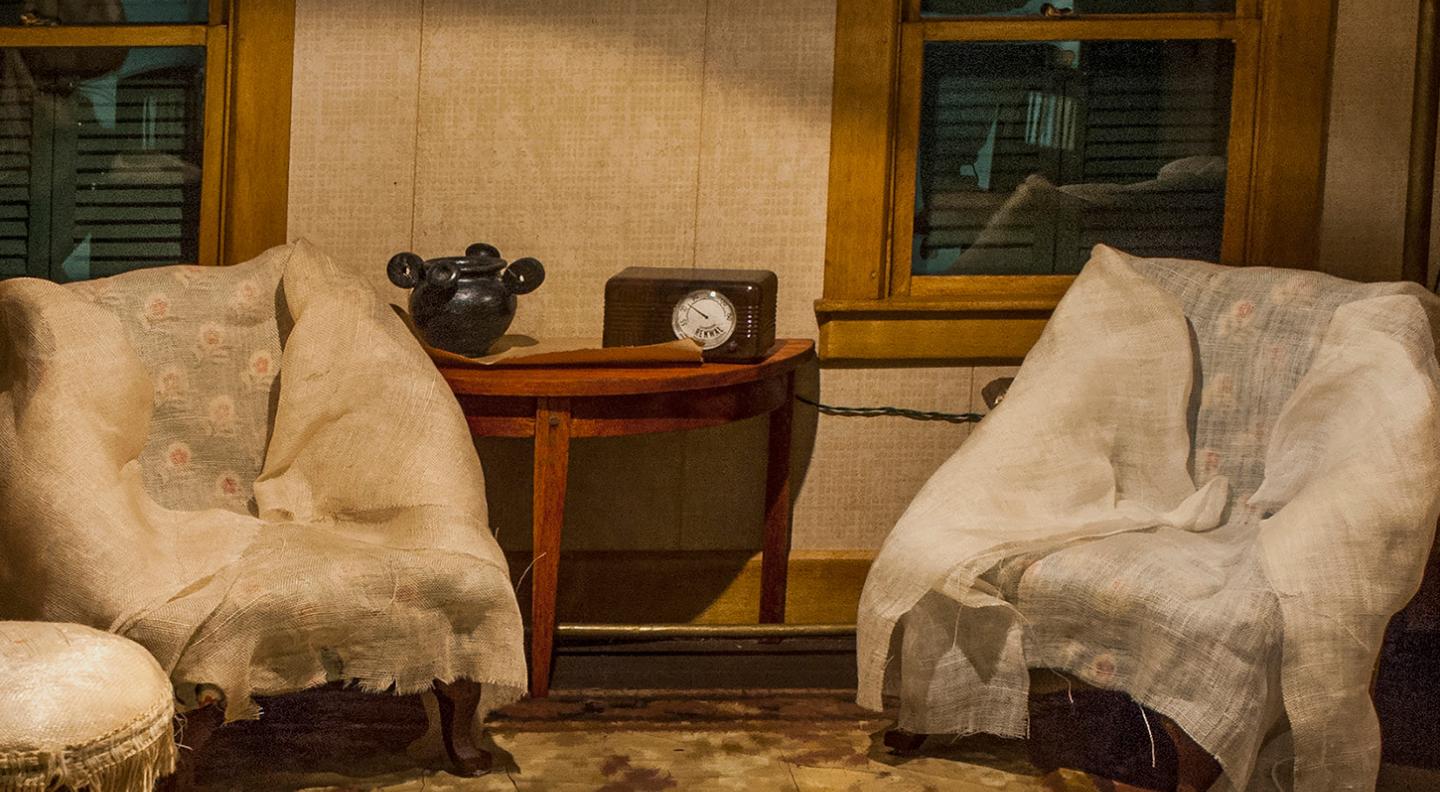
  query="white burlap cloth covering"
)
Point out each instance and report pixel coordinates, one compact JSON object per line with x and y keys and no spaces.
{"x":81,"y":708}
{"x":1209,"y":487}
{"x":256,"y":473}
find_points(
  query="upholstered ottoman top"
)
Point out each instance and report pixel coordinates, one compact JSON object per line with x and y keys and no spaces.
{"x":82,"y":708}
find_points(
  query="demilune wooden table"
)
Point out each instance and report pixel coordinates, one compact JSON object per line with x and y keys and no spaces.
{"x":556,"y":404}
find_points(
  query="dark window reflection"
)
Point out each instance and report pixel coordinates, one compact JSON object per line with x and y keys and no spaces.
{"x":1031,"y":153}
{"x":943,"y":8}
{"x":100,"y":153}
{"x":103,"y":12}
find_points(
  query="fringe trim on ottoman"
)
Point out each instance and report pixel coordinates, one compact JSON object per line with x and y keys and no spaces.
{"x":129,"y":759}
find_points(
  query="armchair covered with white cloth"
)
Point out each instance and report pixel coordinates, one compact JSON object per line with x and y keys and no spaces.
{"x":1209,"y":488}
{"x":256,"y":473}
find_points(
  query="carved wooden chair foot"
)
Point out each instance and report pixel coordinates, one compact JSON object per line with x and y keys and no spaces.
{"x":1195,"y":769}
{"x":192,"y":731}
{"x":903,"y":742}
{"x":458,"y":702}
{"x":1106,"y":735}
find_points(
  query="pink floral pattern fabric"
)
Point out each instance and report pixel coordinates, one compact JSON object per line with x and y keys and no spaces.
{"x":211,"y":340}
{"x":1255,"y":331}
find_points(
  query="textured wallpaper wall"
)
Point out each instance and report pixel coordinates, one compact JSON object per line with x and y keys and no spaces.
{"x":1367,"y":159}
{"x":1368,"y":155}
{"x":596,"y":134}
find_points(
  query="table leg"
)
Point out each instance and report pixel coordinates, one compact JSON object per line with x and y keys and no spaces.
{"x":774,"y":561}
{"x":552,"y":463}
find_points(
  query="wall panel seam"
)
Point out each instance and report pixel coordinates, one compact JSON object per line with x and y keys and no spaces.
{"x":415,"y":138}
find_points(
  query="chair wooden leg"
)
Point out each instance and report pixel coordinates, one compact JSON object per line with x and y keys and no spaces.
{"x":1195,"y":769}
{"x":458,"y":702}
{"x":1062,"y":781}
{"x":192,"y":732}
{"x":903,"y":742}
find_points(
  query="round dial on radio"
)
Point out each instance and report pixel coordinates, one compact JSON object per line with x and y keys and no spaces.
{"x":705,"y":315}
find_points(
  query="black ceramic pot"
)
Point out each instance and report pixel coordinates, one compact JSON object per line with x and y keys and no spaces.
{"x":462,"y":304}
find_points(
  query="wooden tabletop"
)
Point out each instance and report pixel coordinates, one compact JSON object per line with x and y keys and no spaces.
{"x":560,"y":381}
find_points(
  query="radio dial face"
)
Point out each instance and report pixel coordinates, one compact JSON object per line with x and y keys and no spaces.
{"x":705,"y":316}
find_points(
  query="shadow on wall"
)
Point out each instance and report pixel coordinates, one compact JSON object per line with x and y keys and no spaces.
{"x":688,"y":506}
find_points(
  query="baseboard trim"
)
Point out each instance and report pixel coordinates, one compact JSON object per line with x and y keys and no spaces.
{"x":697,"y":587}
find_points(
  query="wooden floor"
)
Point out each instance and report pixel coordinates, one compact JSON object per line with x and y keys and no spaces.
{"x":598,"y":733}
{"x":625,"y":742}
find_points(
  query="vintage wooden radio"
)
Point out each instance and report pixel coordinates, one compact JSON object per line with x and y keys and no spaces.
{"x":729,"y":312}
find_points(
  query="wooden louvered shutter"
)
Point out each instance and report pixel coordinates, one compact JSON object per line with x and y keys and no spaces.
{"x":101,"y":176}
{"x":1141,"y":120}
{"x":137,"y":196}
{"x":15,"y":169}
{"x":1025,"y":165}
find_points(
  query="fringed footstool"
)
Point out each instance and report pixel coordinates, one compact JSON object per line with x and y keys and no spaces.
{"x":81,"y":709}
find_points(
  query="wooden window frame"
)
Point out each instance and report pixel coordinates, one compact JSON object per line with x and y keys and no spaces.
{"x":249,"y":52}
{"x":873,"y":309}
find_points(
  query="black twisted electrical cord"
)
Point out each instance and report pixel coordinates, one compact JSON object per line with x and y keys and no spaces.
{"x":898,"y":412}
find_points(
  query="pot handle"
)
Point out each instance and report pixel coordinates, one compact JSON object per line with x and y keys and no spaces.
{"x":405,"y":269}
{"x":481,"y":250}
{"x":524,"y":275}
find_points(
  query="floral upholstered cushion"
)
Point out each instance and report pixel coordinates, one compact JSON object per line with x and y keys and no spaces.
{"x":210,"y":338}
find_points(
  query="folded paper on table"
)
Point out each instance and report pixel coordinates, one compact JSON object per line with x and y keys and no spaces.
{"x":519,"y":350}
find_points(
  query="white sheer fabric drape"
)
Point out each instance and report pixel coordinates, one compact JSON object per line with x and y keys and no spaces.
{"x":1208,"y":487}
{"x":138,"y":415}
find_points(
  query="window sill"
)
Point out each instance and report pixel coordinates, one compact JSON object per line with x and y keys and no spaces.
{"x":945,"y":320}
{"x":949,"y":331}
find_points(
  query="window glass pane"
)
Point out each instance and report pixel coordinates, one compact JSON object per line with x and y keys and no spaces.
{"x":944,"y":8}
{"x":100,"y":152}
{"x":103,"y":12}
{"x":1030,"y":153}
